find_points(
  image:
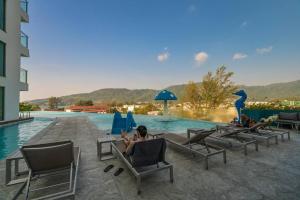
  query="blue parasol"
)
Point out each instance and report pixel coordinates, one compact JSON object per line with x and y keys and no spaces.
{"x":165,"y":96}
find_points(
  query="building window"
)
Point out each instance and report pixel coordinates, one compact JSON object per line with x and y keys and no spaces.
{"x":2,"y":58}
{"x":2,"y":15}
{"x":2,"y":92}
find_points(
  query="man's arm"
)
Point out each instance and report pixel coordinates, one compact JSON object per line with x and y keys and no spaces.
{"x":130,"y":146}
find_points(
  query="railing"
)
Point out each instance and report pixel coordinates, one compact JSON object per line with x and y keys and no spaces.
{"x":24,"y":5}
{"x":24,"y":115}
{"x":24,"y":39}
{"x":23,"y":75}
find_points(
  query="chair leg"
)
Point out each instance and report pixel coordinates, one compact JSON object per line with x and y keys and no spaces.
{"x":245,"y":150}
{"x":20,"y":190}
{"x":28,"y":186}
{"x":207,"y":148}
{"x":256,"y":146}
{"x":171,"y":174}
{"x":206,"y":162}
{"x":16,"y":167}
{"x":138,"y":184}
{"x":71,"y":176}
{"x":224,"y":157}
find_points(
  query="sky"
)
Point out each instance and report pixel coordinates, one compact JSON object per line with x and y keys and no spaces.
{"x":81,"y":46}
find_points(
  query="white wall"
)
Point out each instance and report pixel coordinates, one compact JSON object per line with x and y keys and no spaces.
{"x":13,"y":51}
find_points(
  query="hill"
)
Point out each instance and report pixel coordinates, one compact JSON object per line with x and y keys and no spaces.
{"x":123,"y":95}
{"x":288,"y":90}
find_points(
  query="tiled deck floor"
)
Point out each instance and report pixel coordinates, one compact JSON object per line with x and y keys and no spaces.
{"x":271,"y":173}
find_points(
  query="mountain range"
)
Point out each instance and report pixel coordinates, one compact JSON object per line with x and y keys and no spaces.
{"x":287,"y":90}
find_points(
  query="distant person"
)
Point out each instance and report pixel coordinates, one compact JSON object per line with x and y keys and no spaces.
{"x":140,"y":136}
{"x":245,"y":121}
{"x":235,"y":121}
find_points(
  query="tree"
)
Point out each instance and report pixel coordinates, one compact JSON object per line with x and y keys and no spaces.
{"x":143,"y":110}
{"x":53,"y":102}
{"x":84,"y":103}
{"x":216,"y":89}
{"x":28,"y":107}
{"x":24,"y":107}
{"x":35,"y":107}
{"x":192,"y":94}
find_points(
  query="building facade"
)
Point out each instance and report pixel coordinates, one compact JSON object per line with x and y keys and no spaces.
{"x":13,"y":46}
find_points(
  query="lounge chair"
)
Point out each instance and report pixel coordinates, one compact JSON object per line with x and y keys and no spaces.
{"x":192,"y":145}
{"x":264,"y":128}
{"x":57,"y":158}
{"x":251,"y":132}
{"x":229,"y":136}
{"x":292,"y":119}
{"x":277,"y":131}
{"x":145,"y":158}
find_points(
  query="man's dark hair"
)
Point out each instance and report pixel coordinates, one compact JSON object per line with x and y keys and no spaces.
{"x":142,"y":130}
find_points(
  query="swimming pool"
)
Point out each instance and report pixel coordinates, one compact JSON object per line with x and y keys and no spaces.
{"x":14,"y":136}
{"x":104,"y":121}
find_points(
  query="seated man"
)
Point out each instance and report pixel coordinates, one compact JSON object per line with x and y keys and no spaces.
{"x":139,"y":137}
{"x":246,"y":122}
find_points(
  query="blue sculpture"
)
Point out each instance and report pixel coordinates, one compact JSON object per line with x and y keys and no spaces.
{"x":130,"y":123}
{"x":122,"y":124}
{"x":165,"y":95}
{"x":240,"y":103}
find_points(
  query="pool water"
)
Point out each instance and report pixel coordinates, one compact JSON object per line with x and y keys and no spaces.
{"x":14,"y":136}
{"x":159,"y":123}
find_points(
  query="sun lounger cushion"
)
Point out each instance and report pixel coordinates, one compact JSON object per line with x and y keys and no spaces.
{"x":149,"y":152}
{"x":183,"y":140}
{"x":44,"y":157}
{"x":176,"y":138}
{"x":199,"y":137}
{"x":288,"y":116}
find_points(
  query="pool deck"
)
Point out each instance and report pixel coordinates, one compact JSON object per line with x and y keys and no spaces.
{"x":271,"y":173}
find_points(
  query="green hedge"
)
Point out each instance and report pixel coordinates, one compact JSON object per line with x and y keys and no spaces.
{"x":257,"y":114}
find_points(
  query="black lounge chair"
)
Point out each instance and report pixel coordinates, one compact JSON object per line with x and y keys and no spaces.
{"x":145,"y":158}
{"x":231,"y":135}
{"x":264,"y":128}
{"x":196,"y":144}
{"x":251,"y":132}
{"x":292,"y":119}
{"x":57,"y":158}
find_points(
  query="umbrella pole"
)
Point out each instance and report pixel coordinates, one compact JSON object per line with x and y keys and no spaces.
{"x":165,"y":107}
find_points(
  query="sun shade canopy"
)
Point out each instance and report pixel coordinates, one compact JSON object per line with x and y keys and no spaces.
{"x":165,"y":95}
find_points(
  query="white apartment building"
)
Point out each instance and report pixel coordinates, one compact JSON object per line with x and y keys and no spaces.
{"x":13,"y":46}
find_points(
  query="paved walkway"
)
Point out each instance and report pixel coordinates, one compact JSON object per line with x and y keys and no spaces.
{"x":271,"y":173}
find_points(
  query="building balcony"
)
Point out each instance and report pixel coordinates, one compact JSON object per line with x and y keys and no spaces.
{"x":23,"y":80}
{"x":24,"y":40}
{"x":24,"y":11}
{"x":23,"y":75}
{"x":24,"y":45}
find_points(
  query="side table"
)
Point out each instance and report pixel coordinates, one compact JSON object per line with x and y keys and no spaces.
{"x":100,"y":153}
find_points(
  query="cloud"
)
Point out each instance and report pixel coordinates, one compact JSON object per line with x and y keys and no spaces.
{"x":264,"y":50}
{"x":239,"y":56}
{"x":201,"y":57}
{"x":163,"y":56}
{"x":244,"y":24}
